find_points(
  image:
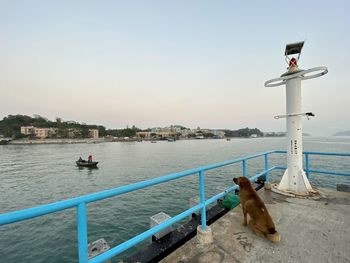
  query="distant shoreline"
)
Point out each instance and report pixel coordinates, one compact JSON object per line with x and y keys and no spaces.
{"x":99,"y":140}
{"x":54,"y":141}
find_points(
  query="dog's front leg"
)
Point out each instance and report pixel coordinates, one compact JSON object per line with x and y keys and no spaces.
{"x":245,"y":221}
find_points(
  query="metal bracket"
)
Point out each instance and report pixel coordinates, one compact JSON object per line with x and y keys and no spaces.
{"x":307,"y":114}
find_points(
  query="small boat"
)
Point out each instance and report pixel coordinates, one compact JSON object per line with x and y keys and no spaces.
{"x":86,"y":164}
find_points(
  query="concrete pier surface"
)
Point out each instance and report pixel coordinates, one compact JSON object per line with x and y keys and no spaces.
{"x":312,"y":230}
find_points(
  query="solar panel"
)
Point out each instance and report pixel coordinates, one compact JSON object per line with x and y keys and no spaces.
{"x":294,"y":48}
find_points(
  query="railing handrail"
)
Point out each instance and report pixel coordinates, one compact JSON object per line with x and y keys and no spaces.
{"x":28,"y":213}
{"x":317,"y":153}
{"x":81,"y":201}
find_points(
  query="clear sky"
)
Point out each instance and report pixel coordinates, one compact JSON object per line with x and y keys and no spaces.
{"x":156,"y":63}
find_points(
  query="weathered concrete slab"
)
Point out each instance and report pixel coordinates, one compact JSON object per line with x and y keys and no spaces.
{"x":311,"y":231}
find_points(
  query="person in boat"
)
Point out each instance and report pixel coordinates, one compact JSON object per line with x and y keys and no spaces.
{"x":90,"y":159}
{"x":81,"y":160}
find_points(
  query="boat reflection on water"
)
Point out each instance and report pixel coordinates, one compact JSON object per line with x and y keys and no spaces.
{"x":88,"y":167}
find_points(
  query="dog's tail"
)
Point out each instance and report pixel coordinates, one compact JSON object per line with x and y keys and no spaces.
{"x":273,"y":235}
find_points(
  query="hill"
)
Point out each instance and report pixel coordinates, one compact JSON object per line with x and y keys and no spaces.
{"x":245,"y":132}
{"x":342,"y":133}
{"x":10,"y":126}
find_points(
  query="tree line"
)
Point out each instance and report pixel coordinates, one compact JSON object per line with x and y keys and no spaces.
{"x":245,"y":132}
{"x":10,"y":126}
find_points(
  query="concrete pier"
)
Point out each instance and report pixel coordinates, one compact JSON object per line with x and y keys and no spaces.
{"x":312,"y":230}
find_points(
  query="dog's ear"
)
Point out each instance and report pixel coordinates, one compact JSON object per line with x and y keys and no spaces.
{"x":235,"y":180}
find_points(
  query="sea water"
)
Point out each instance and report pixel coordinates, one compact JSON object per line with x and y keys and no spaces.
{"x":32,"y":175}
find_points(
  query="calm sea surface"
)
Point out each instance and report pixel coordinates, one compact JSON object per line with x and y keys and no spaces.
{"x":32,"y":175}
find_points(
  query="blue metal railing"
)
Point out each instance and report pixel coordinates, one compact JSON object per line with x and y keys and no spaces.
{"x":307,"y":163}
{"x":80,"y":202}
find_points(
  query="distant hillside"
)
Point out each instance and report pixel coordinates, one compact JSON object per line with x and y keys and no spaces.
{"x":280,"y":134}
{"x":246,"y":132}
{"x":10,"y":126}
{"x":343,"y":133}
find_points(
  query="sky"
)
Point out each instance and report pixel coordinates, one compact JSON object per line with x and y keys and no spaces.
{"x":157,"y":63}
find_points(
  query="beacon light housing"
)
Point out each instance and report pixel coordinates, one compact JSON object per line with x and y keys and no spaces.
{"x":293,"y":49}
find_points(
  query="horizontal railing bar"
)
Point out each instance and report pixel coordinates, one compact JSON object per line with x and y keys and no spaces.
{"x":33,"y":212}
{"x":28,"y":213}
{"x":261,"y":174}
{"x":329,"y":172}
{"x":315,"y":171}
{"x":137,"y":239}
{"x":326,"y":153}
{"x":217,"y":165}
{"x":318,"y":153}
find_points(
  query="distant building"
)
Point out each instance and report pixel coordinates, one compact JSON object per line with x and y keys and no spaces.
{"x":185,"y":133}
{"x":165,"y":132}
{"x":144,"y":134}
{"x":93,"y":133}
{"x":41,"y":133}
{"x":219,"y":134}
{"x":156,"y":130}
{"x":27,"y":130}
{"x":179,"y":131}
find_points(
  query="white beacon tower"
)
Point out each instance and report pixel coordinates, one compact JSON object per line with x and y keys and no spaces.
{"x":294,"y":180}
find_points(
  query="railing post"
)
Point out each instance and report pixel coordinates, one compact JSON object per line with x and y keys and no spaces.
{"x":307,"y":165}
{"x":202,"y":200}
{"x":244,"y":163}
{"x":267,"y":179}
{"x":82,"y":233}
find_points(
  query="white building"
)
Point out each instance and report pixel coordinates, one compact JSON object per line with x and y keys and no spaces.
{"x":144,"y":134}
{"x":93,"y":133}
{"x":27,"y":130}
{"x":41,"y":133}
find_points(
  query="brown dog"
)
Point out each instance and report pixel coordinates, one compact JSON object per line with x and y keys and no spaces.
{"x":260,"y":219}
